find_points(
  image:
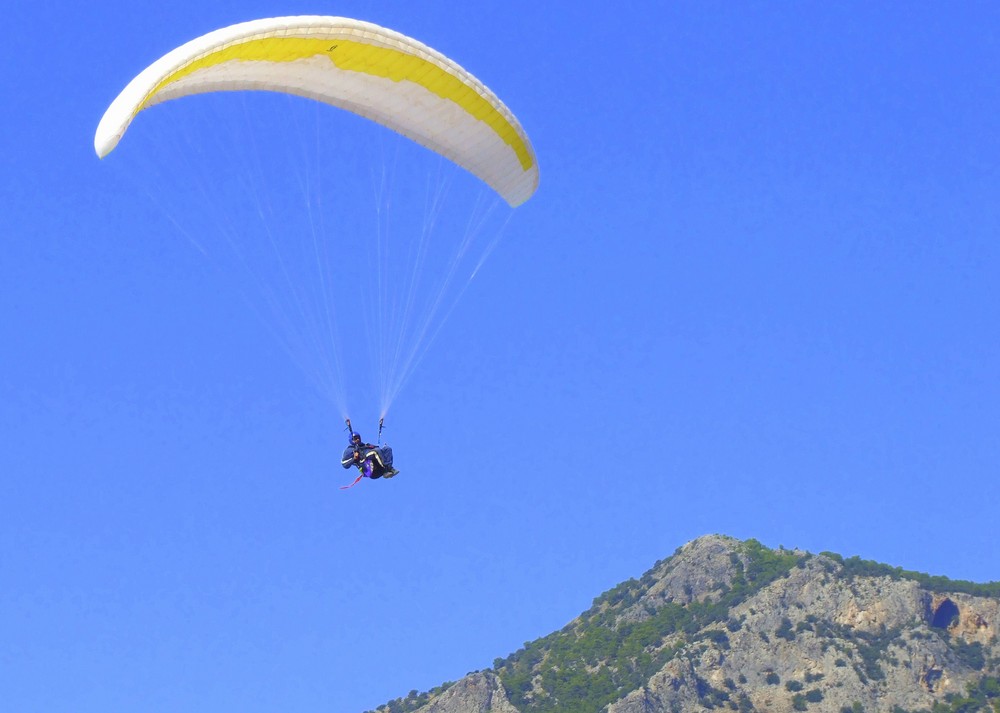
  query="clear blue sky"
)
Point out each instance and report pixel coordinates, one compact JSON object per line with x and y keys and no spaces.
{"x":756,"y":294}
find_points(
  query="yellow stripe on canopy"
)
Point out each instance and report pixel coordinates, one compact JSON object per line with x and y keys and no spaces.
{"x":367,"y":69}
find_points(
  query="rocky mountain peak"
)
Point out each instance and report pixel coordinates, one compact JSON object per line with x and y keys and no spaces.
{"x":731,"y":625}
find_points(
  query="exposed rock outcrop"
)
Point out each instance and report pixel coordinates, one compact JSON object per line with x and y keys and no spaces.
{"x":476,"y":693}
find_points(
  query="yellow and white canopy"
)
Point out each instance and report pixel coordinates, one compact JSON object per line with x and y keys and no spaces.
{"x":366,"y":69}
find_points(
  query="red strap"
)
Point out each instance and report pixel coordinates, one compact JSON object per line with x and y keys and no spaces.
{"x":356,"y":481}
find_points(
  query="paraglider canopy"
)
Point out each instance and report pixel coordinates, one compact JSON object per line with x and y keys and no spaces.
{"x":358,"y":66}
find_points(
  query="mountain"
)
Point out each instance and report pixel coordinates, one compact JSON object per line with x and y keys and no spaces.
{"x":730,"y":625}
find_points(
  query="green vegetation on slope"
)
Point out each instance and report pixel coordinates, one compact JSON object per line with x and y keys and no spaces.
{"x":857,"y":567}
{"x":982,"y":696}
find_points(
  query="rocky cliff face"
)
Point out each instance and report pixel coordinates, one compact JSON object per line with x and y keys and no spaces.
{"x":731,"y":625}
